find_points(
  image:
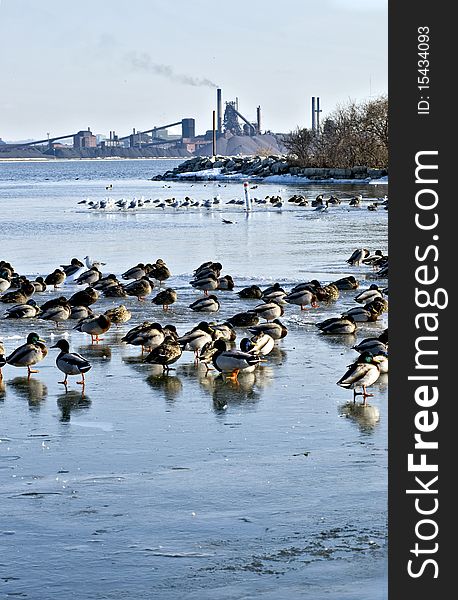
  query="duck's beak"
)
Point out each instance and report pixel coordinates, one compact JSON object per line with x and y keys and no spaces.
{"x":42,"y":341}
{"x":55,"y":346}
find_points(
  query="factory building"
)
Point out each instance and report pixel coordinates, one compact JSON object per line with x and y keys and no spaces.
{"x":84,"y":139}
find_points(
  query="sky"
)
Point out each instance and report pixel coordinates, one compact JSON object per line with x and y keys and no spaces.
{"x":67,"y":65}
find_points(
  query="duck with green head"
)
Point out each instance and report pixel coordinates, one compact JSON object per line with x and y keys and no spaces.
{"x":71,"y":363}
{"x":29,"y":354}
{"x":362,"y":373}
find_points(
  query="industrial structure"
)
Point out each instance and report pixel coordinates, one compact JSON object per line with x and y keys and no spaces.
{"x":231,"y":123}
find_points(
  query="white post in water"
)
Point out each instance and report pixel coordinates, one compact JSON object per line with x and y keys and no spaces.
{"x":247,"y":196}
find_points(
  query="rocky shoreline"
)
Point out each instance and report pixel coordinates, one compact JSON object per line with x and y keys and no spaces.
{"x":257,"y":167}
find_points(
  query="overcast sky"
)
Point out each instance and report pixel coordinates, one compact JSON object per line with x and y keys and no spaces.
{"x":66,"y":65}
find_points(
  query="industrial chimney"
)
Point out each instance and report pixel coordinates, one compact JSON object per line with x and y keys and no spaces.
{"x":258,"y":119}
{"x":219,"y":112}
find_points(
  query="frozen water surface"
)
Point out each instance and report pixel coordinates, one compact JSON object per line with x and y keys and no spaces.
{"x":187,"y":486}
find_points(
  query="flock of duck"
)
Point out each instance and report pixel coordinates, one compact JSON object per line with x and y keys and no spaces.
{"x":320,"y":203}
{"x":213,"y":343}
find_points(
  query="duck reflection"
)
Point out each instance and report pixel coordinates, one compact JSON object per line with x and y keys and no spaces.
{"x":2,"y":389}
{"x":339,"y":341}
{"x":365,"y":415}
{"x":169,"y":385}
{"x":72,"y":401}
{"x":96,"y":352}
{"x":226,"y":392}
{"x":30,"y":389}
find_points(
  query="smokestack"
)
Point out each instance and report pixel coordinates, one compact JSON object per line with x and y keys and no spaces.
{"x":318,"y":114}
{"x":219,"y":111}
{"x":258,"y":118}
{"x":214,"y":134}
{"x":313,"y":114}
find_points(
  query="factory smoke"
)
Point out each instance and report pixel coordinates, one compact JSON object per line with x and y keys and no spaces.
{"x":144,"y":62}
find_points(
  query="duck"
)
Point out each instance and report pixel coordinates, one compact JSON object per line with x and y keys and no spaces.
{"x":303,"y":299}
{"x":207,"y":304}
{"x":361,"y":314}
{"x":61,"y":312}
{"x":224,"y":331}
{"x":115,"y":291}
{"x":338,"y":325}
{"x":363,"y":373}
{"x":39,"y":284}
{"x":165,"y":298}
{"x":378,"y":304}
{"x":140,"y":288}
{"x":29,"y":354}
{"x":23,"y":311}
{"x":277,"y":296}
{"x":197,"y":338}
{"x":253,"y":292}
{"x":375,"y":259}
{"x":160,"y":271}
{"x":20,"y":296}
{"x":319,"y":200}
{"x":136,"y":272}
{"x":118,"y":315}
{"x":358,"y":256}
{"x":225,"y":283}
{"x":334,"y":200}
{"x":261,"y":343}
{"x":74,"y":266}
{"x":356,"y":200}
{"x":94,"y":326}
{"x":84,"y":297}
{"x":206,"y":284}
{"x":71,"y":363}
{"x":89,"y":277}
{"x":370,"y":294}
{"x":269,"y":311}
{"x":56,"y":278}
{"x":276,"y":287}
{"x":147,"y":335}
{"x":276,"y":329}
{"x":105,"y":282}
{"x":166,"y":354}
{"x":374,"y":344}
{"x":205,"y":268}
{"x":244,"y":319}
{"x":59,"y":301}
{"x":5,"y":284}
{"x":346,"y":283}
{"x":322,"y":207}
{"x":231,"y":362}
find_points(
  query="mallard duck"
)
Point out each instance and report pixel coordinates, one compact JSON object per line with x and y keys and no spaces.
{"x":374,"y":259}
{"x":232,"y":361}
{"x":20,"y":296}
{"x":160,"y":271}
{"x":115,"y":291}
{"x":196,"y":339}
{"x":84,"y":297}
{"x":319,"y":200}
{"x":59,"y":301}
{"x":361,"y":314}
{"x":378,"y":304}
{"x":338,"y":325}
{"x":275,"y":329}
{"x":94,"y":326}
{"x":74,"y":266}
{"x":374,"y":344}
{"x":244,"y":319}
{"x":136,"y":272}
{"x":105,"y":282}
{"x":302,"y":299}
{"x":28,"y":354}
{"x":166,"y":354}
{"x":118,"y":315}
{"x":89,"y":277}
{"x":334,"y":200}
{"x":208,"y":304}
{"x":80,"y":312}
{"x":368,"y":295}
{"x":140,"y":288}
{"x":361,"y":374}
{"x":71,"y":363}
{"x":346,"y":283}
{"x":358,"y":256}
{"x":39,"y":284}
{"x":269,"y":311}
{"x":225,"y":283}
{"x":262,"y":343}
{"x":277,"y":296}
{"x":322,"y":207}
{"x":276,"y":287}
{"x":165,"y":298}
{"x":206,"y":268}
{"x":205,"y":284}
{"x":23,"y":311}
{"x":56,"y":278}
{"x":328,"y":293}
{"x":147,"y":335}
{"x":251,"y":293}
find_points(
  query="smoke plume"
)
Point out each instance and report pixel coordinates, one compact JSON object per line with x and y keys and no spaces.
{"x":144,"y":62}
